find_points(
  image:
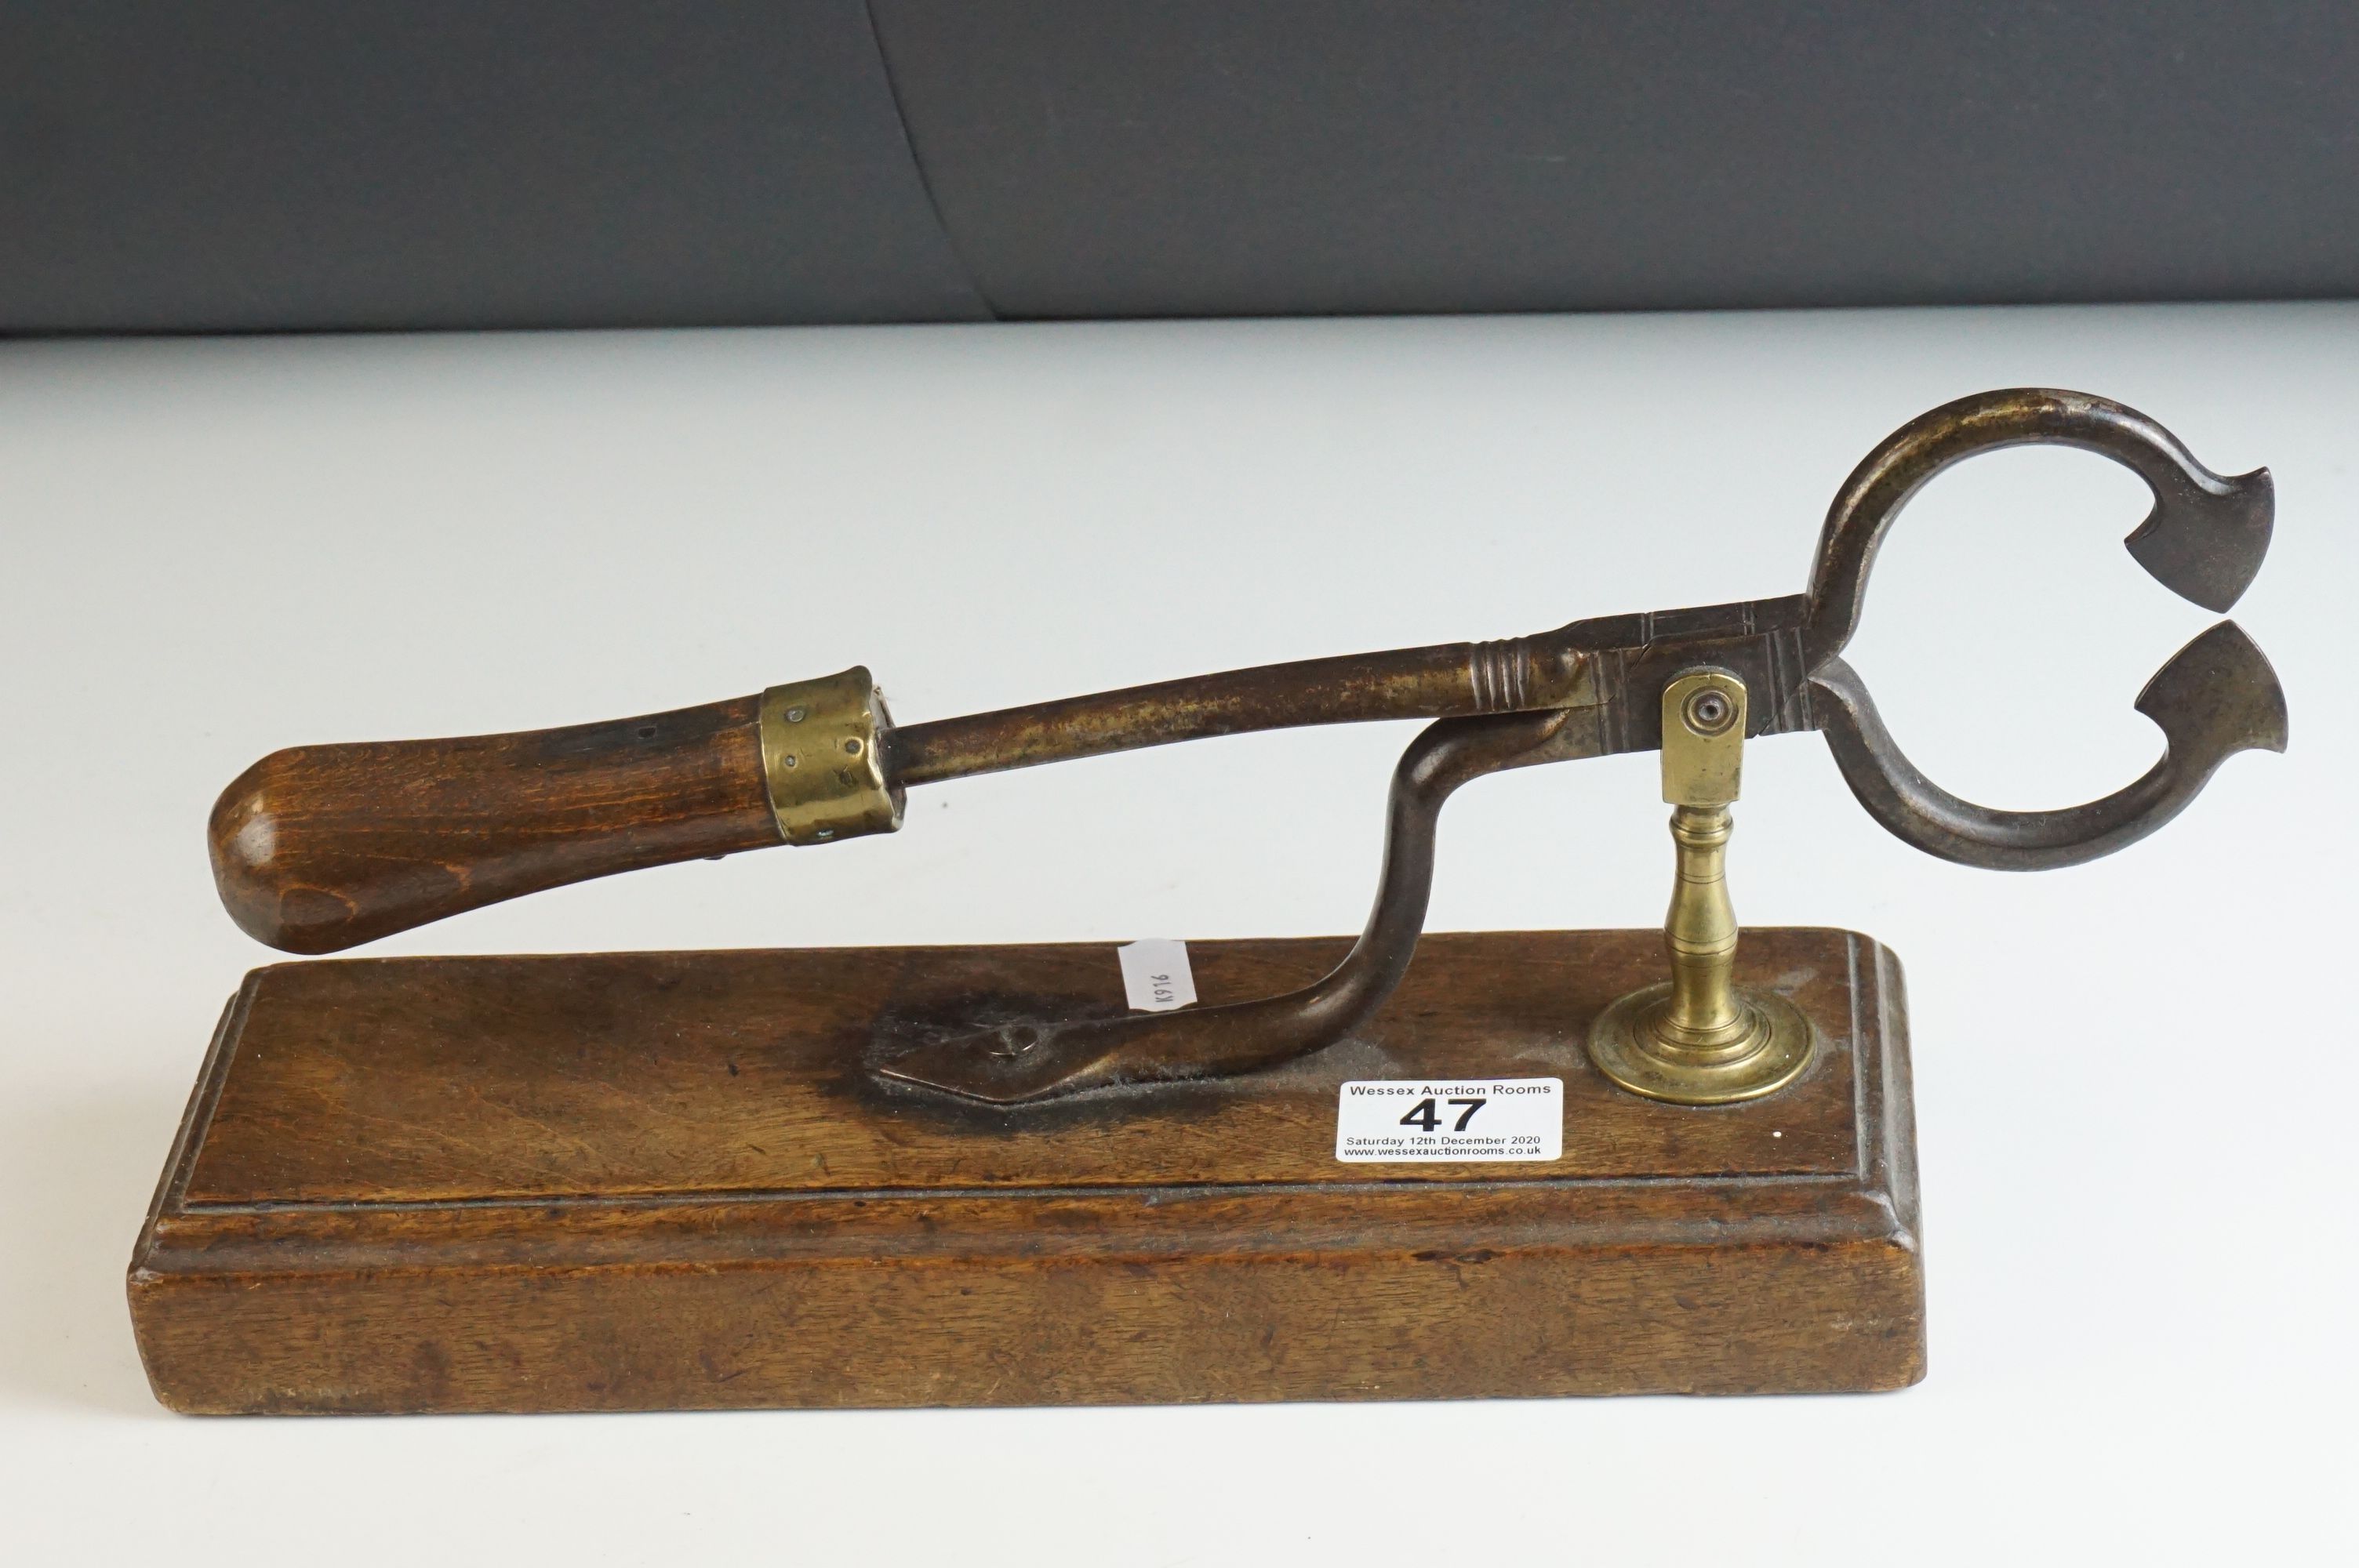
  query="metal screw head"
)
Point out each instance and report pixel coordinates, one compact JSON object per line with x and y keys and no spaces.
{"x":1708,"y":711}
{"x":852,"y":748}
{"x":797,"y":715}
{"x":791,"y":760}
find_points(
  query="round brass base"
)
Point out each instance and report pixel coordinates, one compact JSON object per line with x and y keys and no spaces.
{"x":1629,"y":1046}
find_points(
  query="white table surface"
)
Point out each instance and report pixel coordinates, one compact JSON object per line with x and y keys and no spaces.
{"x":2135,"y":1080}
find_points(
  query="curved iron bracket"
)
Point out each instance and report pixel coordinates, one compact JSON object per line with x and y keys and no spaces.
{"x":1039,"y":1059}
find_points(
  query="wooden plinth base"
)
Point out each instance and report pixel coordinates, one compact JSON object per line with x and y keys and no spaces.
{"x":664,"y":1181}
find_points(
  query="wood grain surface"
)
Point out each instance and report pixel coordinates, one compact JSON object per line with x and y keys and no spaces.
{"x":666,"y":1180}
{"x":319,"y":848}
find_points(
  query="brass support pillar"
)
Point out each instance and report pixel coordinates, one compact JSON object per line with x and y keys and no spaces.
{"x":1696,"y":1039}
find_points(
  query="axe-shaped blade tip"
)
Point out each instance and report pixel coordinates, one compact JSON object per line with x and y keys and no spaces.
{"x":2205,"y":540}
{"x":2217,"y":696}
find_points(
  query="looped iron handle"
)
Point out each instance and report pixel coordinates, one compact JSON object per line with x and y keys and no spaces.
{"x":2203,"y":540}
{"x":2215,"y":698}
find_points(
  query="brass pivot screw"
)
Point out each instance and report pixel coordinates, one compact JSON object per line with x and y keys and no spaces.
{"x":1696,"y":1039}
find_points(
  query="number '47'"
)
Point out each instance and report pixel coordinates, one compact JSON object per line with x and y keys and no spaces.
{"x":1424,"y":1114}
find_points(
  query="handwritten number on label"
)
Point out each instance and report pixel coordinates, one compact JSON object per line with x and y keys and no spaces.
{"x":1426,"y":1115}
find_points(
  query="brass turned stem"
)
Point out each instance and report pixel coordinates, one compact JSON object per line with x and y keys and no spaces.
{"x":1696,"y":1039}
{"x":1701,"y":934}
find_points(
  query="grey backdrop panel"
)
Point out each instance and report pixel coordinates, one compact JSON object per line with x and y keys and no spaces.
{"x":1235,"y":156}
{"x":207,"y":164}
{"x":273,"y":163}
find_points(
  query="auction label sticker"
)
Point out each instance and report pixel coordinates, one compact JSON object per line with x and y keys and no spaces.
{"x":1154,"y":974}
{"x":1450,"y":1119}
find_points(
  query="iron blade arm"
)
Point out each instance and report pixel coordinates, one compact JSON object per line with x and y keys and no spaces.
{"x":1448,"y":680}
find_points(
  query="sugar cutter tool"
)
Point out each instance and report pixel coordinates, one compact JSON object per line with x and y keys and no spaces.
{"x":320,"y":848}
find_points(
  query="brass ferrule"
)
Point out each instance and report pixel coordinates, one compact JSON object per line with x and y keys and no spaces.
{"x":823,"y":759}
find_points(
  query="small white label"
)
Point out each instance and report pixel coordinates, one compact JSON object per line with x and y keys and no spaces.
{"x":1450,"y":1119}
{"x":1154,"y":974}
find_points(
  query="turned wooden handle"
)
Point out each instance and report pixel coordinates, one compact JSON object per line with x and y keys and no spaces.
{"x":319,"y":847}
